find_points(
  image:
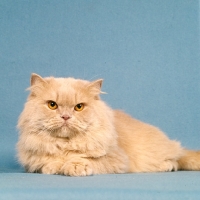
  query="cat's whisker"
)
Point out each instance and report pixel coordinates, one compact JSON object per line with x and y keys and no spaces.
{"x":94,"y":77}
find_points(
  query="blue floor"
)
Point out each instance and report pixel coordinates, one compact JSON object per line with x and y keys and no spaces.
{"x":169,"y":185}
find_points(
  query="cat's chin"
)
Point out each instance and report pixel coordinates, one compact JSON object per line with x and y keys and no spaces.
{"x":63,"y":132}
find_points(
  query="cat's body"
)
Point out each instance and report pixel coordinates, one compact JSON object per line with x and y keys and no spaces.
{"x":66,"y":129}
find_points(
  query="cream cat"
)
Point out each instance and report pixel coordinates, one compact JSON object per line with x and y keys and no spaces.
{"x":65,"y":128}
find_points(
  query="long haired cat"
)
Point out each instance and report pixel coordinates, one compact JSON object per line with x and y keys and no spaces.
{"x":65,"y":128}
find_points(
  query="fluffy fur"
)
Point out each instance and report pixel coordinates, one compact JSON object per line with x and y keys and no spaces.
{"x":92,"y":140}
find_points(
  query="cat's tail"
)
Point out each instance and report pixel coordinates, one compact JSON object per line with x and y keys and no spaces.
{"x":190,"y":160}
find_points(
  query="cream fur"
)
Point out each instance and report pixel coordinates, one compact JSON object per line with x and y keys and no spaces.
{"x":96,"y":140}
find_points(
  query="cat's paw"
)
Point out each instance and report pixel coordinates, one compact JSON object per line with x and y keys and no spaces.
{"x":168,"y":166}
{"x":78,"y":167}
{"x":51,"y":168}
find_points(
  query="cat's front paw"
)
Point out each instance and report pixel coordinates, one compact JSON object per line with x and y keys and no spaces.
{"x":78,"y":167}
{"x":51,"y":168}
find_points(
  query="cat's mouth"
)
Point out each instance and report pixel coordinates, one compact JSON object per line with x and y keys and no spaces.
{"x":65,"y":125}
{"x":67,"y":129}
{"x":61,"y":129}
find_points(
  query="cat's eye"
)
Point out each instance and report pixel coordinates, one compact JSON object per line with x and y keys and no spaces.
{"x":52,"y":105}
{"x":79,"y":107}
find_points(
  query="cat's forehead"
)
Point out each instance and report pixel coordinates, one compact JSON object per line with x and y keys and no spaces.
{"x":68,"y":90}
{"x":64,"y":84}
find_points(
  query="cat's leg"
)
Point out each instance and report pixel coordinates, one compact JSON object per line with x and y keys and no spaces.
{"x":116,"y":161}
{"x":168,"y":166}
{"x":77,"y":166}
{"x":80,"y":165}
{"x":52,"y":167}
{"x":83,"y":145}
{"x":44,"y":164}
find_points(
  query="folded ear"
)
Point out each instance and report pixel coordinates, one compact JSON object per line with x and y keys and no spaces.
{"x":36,"y":79}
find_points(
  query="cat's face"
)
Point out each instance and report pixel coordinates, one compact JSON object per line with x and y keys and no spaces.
{"x":62,"y":107}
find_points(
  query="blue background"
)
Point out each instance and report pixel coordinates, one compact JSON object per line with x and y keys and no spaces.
{"x":147,"y":52}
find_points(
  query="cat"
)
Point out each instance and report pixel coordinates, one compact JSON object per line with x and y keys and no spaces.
{"x":65,"y":128}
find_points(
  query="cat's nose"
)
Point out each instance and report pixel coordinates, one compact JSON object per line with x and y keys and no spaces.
{"x":65,"y":117}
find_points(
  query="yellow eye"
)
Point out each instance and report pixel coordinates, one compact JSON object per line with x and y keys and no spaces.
{"x":79,"y":107}
{"x":52,"y":105}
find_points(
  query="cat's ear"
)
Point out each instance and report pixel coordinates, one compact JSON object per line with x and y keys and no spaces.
{"x":97,"y":84}
{"x":95,"y":88}
{"x":38,"y":85}
{"x":37,"y":80}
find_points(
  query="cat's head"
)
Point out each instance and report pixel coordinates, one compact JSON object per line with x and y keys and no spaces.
{"x":62,"y":107}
